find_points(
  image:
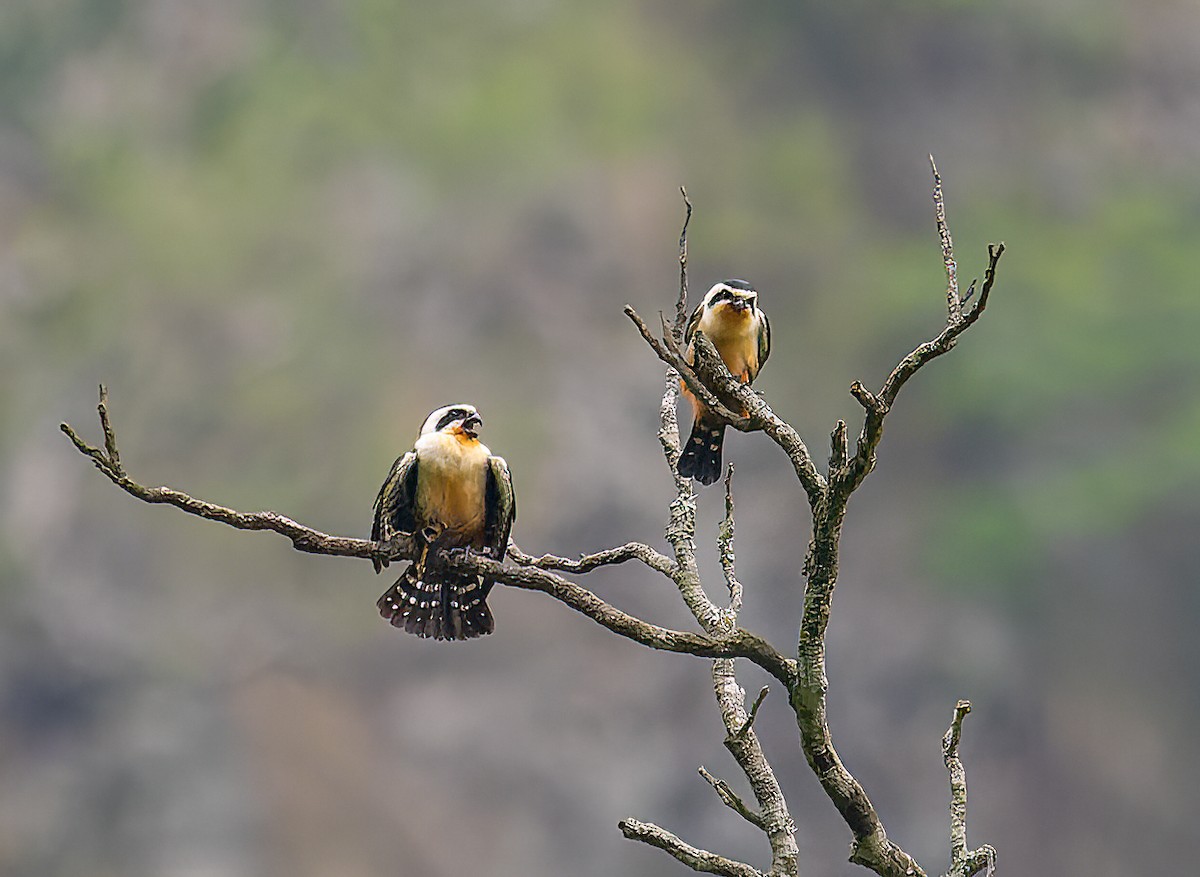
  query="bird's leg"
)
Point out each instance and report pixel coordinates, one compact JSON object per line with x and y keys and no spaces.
{"x":381,"y":554}
{"x":429,"y":536}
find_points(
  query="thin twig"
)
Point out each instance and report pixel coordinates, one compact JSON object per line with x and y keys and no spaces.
{"x":681,"y":309}
{"x":838,"y":449}
{"x":749,"y":723}
{"x":303,"y":538}
{"x":586,"y":563}
{"x":878,"y":405}
{"x":953,"y":302}
{"x":958,"y":783}
{"x":731,"y":800}
{"x":110,"y":441}
{"x":725,"y":551}
{"x":676,"y":360}
{"x":963,"y":862}
{"x":694,"y":857}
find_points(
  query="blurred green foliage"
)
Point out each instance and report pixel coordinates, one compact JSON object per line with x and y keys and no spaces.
{"x":282,"y":232}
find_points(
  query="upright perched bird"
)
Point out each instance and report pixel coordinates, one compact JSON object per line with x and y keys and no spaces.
{"x":449,"y":491}
{"x":730,"y":318}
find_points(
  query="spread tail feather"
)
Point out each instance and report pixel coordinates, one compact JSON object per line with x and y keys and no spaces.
{"x":450,"y":607}
{"x":701,"y":456}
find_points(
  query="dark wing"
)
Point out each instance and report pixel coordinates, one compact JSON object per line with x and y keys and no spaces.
{"x":692,"y":323}
{"x":764,"y":341}
{"x":394,"y":506}
{"x":501,"y":507}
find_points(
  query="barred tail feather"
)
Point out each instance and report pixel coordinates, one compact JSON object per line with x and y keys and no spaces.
{"x":451,"y":607}
{"x":701,"y":456}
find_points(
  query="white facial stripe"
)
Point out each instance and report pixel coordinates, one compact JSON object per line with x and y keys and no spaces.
{"x":431,"y":422}
{"x":724,"y":290}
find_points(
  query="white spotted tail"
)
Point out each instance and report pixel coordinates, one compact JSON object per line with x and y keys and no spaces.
{"x":453,"y":607}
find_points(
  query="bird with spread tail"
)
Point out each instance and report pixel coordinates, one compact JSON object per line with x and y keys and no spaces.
{"x":730,"y":318}
{"x":449,"y":492}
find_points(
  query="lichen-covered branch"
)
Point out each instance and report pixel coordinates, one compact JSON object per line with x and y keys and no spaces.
{"x":738,"y":643}
{"x":732,"y":644}
{"x":708,"y":378}
{"x":681,"y":527}
{"x":953,"y":299}
{"x":668,"y":351}
{"x":728,"y":560}
{"x":877,"y":405}
{"x":609,"y":557}
{"x":773,"y":817}
{"x":871,"y":847}
{"x":744,"y":746}
{"x":712,"y":383}
{"x":731,"y":799}
{"x":740,"y":739}
{"x":694,"y":857}
{"x":963,"y":862}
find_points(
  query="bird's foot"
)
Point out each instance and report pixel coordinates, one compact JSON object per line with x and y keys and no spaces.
{"x":381,"y":554}
{"x":457,"y":555}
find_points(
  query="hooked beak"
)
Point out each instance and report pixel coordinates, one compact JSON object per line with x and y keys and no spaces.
{"x":471,"y":424}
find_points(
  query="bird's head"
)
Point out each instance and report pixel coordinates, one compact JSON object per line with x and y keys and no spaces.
{"x":735,"y":294}
{"x":459,"y":418}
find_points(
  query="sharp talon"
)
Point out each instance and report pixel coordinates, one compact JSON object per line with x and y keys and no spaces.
{"x":380,"y":557}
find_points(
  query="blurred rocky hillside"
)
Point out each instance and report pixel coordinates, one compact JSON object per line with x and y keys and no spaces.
{"x":281,"y":233}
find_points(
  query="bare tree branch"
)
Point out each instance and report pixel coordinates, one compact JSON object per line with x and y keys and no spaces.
{"x":725,"y":551}
{"x":736,"y":644}
{"x":586,"y":563}
{"x":695,"y":858}
{"x":877,"y":406}
{"x":804,"y":678}
{"x":668,"y":351}
{"x":732,"y":644}
{"x":710,"y":380}
{"x":753,"y":714}
{"x":747,"y":751}
{"x":731,"y":800}
{"x":742,"y":743}
{"x":953,"y":301}
{"x":303,"y":538}
{"x":963,"y":862}
{"x":681,"y":527}
{"x":871,"y":846}
{"x":681,"y":311}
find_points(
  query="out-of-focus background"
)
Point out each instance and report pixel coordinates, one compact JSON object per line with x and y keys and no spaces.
{"x":281,"y":233}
